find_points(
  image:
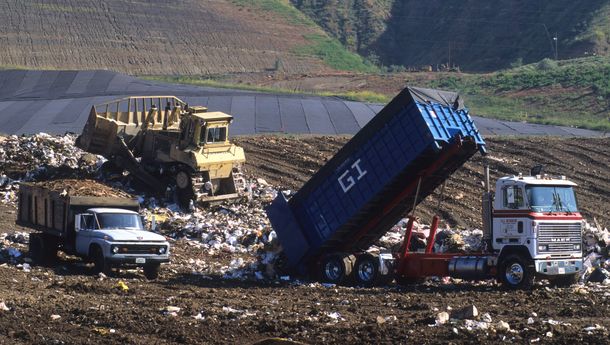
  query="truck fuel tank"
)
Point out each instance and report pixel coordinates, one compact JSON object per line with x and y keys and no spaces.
{"x":469,"y":267}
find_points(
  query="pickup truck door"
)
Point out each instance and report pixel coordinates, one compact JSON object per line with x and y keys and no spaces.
{"x":84,"y":225}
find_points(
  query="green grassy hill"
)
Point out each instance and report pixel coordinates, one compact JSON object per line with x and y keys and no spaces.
{"x":475,"y":35}
{"x":572,"y":92}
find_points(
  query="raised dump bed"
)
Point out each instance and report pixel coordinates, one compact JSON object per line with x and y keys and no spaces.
{"x":409,"y":148}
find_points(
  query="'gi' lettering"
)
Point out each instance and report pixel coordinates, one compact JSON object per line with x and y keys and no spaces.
{"x":347,"y":180}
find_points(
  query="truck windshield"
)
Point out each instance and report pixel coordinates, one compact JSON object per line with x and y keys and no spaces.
{"x":551,"y":198}
{"x":119,"y":221}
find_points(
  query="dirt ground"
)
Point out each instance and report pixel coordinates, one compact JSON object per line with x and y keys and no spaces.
{"x":67,"y":304}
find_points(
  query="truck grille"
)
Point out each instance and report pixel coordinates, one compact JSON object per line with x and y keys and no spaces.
{"x":559,"y":237}
{"x":139,"y":249}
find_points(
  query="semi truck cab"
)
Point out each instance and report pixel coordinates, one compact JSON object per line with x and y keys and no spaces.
{"x":116,"y":237}
{"x":536,"y":220}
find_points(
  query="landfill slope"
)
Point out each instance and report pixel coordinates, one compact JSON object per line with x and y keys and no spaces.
{"x":188,"y":37}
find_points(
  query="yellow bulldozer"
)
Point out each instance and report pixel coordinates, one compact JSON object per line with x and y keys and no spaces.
{"x":168,"y":145}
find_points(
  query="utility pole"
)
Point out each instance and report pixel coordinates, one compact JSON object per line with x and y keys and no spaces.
{"x":555,"y":39}
{"x":449,"y":63}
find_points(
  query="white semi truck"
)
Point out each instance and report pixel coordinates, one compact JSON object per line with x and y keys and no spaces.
{"x":107,"y":231}
{"x":535,"y":229}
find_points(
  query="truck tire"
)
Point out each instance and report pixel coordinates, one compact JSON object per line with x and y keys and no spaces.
{"x":151,"y":271}
{"x":35,"y":248}
{"x":336,"y":268}
{"x":184,"y":189}
{"x":366,"y":271}
{"x":565,"y":280}
{"x":516,"y":273}
{"x":49,"y":249}
{"x":100,"y":264}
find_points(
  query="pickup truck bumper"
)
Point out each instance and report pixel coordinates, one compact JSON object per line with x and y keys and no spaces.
{"x":136,"y":260}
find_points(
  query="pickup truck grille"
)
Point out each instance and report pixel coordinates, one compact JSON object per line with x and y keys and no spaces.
{"x":139,"y":249}
{"x":559,"y":237}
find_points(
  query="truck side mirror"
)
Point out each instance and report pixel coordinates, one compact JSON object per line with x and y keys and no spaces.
{"x":77,"y":222}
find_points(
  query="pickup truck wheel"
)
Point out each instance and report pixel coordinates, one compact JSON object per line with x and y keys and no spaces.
{"x":366,"y":270}
{"x":336,"y":268}
{"x":35,"y":248}
{"x":516,"y":273}
{"x":565,"y":280}
{"x":49,"y":249}
{"x":151,"y":271}
{"x":100,"y":263}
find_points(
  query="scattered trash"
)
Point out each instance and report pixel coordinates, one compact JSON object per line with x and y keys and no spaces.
{"x":442,"y":318}
{"x":473,"y":325}
{"x":469,"y":312}
{"x":486,"y":318}
{"x":104,"y":331}
{"x":122,"y":286}
{"x":3,"y":307}
{"x":171,"y":310}
{"x":502,"y":326}
{"x":55,"y":317}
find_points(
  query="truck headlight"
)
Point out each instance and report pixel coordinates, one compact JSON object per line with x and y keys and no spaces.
{"x":577,"y":247}
{"x":162,"y":250}
{"x":542,"y":247}
{"x":115,"y":249}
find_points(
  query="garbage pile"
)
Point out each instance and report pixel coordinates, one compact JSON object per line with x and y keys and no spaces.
{"x":446,"y":240}
{"x":596,"y":251}
{"x":13,"y":246}
{"x":86,"y":187}
{"x":40,"y":157}
{"x":240,"y":231}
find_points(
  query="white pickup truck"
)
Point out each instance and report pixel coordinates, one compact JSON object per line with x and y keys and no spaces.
{"x":104,"y":230}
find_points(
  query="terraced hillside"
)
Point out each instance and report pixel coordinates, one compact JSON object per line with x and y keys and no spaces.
{"x":160,"y":37}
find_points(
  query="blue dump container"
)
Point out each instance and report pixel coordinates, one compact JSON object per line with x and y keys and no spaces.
{"x":420,"y":138}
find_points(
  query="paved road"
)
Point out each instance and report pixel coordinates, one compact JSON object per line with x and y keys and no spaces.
{"x":59,"y":101}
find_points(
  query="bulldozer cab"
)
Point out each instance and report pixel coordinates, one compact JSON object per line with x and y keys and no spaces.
{"x":205,"y":129}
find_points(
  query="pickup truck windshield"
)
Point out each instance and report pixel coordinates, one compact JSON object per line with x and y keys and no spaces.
{"x":109,"y":221}
{"x":551,"y":198}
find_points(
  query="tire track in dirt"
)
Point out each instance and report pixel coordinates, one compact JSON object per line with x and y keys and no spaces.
{"x":290,"y":161}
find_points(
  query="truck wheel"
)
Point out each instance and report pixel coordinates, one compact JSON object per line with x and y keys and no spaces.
{"x":336,"y":268}
{"x":35,"y":247}
{"x":366,"y":270}
{"x":184,"y":189}
{"x":100,"y":264}
{"x":49,"y":249}
{"x":515,"y":273}
{"x":151,"y":271}
{"x":565,"y":280}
